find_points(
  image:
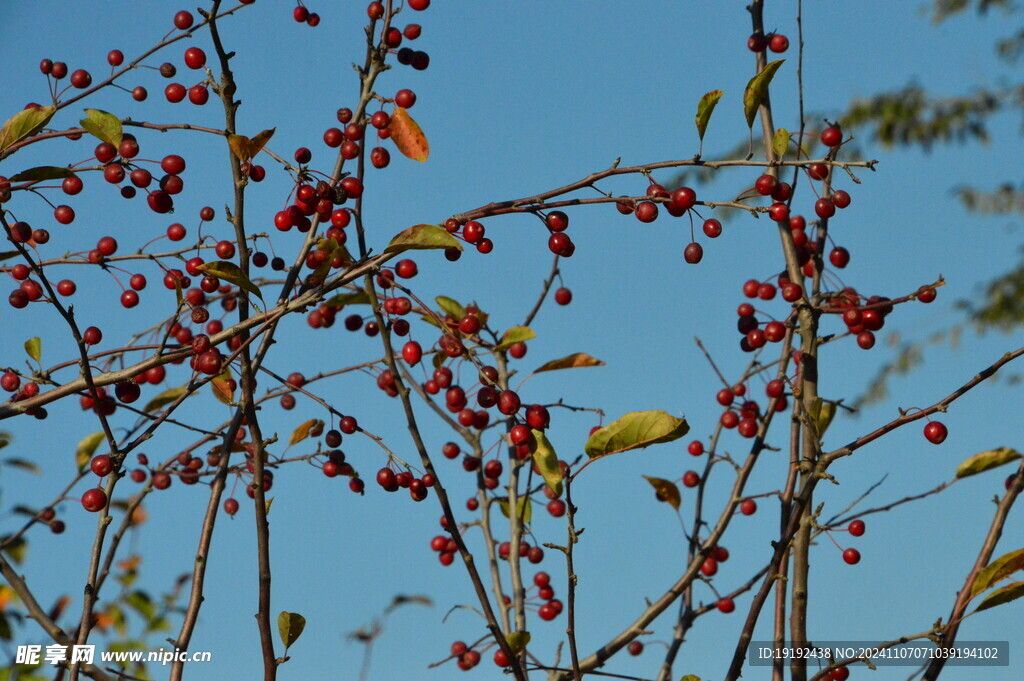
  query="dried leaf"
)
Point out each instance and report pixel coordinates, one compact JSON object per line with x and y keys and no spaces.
{"x":574,"y":361}
{"x":666,"y":491}
{"x":221,"y":387}
{"x":407,"y":136}
{"x":246,"y":149}
{"x":313,"y":427}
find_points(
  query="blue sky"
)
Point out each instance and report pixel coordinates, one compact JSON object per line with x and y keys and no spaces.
{"x":516,"y":101}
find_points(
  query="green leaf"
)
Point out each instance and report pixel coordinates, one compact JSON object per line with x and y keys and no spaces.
{"x":706,"y":107}
{"x":141,"y":602}
{"x":16,"y":549}
{"x":450,"y":307}
{"x":86,"y":448}
{"x":230,"y":272}
{"x":42,"y":173}
{"x":23,"y":464}
{"x":166,"y":397}
{"x":525,"y":508}
{"x":576,"y":360}
{"x":24,"y":124}
{"x":517,"y":334}
{"x":290,"y":626}
{"x":34,"y":348}
{"x":547,"y":461}
{"x":822,"y":411}
{"x":422,"y":237}
{"x":1010,"y":592}
{"x":985,"y":460}
{"x":312,"y":427}
{"x":518,"y":640}
{"x":690,"y":677}
{"x":997,"y":570}
{"x":665,"y":490}
{"x":104,"y":126}
{"x":635,"y":430}
{"x":342,"y":299}
{"x":757,"y":89}
{"x":780,"y":143}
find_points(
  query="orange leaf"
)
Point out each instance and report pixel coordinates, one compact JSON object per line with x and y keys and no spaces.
{"x":407,"y":136}
{"x":245,"y":149}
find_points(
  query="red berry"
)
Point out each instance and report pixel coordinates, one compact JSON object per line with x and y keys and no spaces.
{"x":851,"y":556}
{"x":683,"y":199}
{"x":857,"y":528}
{"x":94,"y":500}
{"x":832,"y":136}
{"x":725,"y":605}
{"x":81,"y":79}
{"x":635,"y":648}
{"x":101,"y":465}
{"x":935,"y":432}
{"x":195,"y":58}
{"x":405,"y":98}
{"x":778,"y":43}
{"x":693,"y":253}
{"x":646,"y":211}
{"x":839,"y":257}
{"x":412,"y":353}
{"x":183,"y":20}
